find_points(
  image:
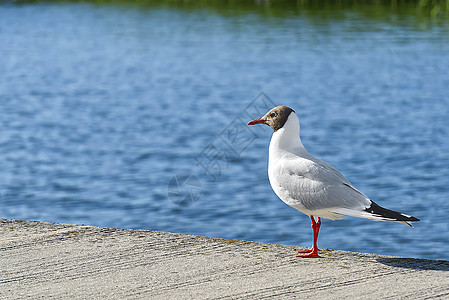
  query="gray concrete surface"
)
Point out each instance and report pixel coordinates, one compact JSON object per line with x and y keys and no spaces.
{"x":58,"y":261}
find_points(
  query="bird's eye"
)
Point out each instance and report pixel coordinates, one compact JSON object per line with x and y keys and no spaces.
{"x":273,"y":114}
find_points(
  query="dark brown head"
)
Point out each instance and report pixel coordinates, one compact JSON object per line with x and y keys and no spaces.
{"x":275,"y":118}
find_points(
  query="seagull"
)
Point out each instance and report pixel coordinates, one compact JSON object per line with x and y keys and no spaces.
{"x":311,"y":185}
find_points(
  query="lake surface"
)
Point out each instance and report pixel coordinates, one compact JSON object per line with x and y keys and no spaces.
{"x":133,"y":117}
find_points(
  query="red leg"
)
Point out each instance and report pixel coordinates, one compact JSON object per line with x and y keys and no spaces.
{"x":312,"y":252}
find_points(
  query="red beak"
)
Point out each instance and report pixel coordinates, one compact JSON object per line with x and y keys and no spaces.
{"x":256,"y":121}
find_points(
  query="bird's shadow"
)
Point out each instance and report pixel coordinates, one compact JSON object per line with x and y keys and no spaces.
{"x":414,"y":263}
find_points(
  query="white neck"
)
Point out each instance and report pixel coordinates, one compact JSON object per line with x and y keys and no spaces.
{"x":287,"y":138}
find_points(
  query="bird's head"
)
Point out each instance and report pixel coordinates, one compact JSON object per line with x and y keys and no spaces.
{"x":275,"y":118}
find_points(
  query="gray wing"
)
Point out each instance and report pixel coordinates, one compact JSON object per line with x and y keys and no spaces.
{"x":316,"y":185}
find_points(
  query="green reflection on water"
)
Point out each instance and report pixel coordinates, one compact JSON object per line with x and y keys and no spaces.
{"x":376,"y":9}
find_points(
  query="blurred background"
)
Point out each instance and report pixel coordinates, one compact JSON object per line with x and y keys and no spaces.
{"x":132,"y":115}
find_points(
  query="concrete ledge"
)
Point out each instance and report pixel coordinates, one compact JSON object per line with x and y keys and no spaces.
{"x":47,"y":260}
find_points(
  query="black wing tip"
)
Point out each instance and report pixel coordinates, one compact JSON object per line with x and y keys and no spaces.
{"x":389,"y":214}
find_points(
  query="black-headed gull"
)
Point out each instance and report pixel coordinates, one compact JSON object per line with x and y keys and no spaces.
{"x":313,"y":186}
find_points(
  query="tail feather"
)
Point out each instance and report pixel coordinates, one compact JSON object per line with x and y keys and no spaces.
{"x":389,"y":214}
{"x":378,"y":213}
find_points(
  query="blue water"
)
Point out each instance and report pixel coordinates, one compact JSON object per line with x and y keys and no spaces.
{"x":101,"y":106}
